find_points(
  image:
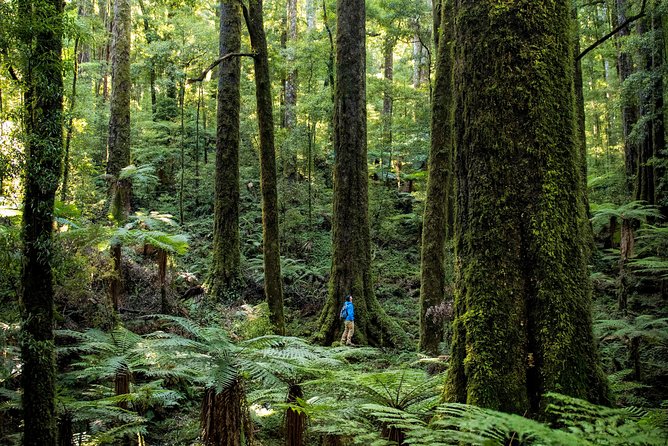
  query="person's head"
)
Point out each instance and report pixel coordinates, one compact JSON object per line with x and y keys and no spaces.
{"x":349,"y":298}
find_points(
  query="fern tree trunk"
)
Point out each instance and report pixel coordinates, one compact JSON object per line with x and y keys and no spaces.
{"x":273,"y":283}
{"x":522,"y":299}
{"x":295,"y":421}
{"x":226,"y":274}
{"x":351,"y":261}
{"x":41,"y":36}
{"x":225,"y":419}
{"x":119,"y":132}
{"x":437,"y":213}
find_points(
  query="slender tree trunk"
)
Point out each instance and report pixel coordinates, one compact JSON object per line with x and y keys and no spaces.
{"x":43,"y":99}
{"x":226,"y":274}
{"x":291,"y":81}
{"x":351,"y":260}
{"x":629,"y":108}
{"x":150,"y":38}
{"x":523,"y":322}
{"x":652,"y":146}
{"x":310,"y":14}
{"x":197,"y":115}
{"x":273,"y":282}
{"x":438,"y":209}
{"x":386,"y":116}
{"x":119,"y":131}
{"x":182,"y":94}
{"x":70,"y":124}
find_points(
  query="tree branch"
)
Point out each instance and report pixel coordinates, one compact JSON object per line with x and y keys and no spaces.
{"x":627,"y":22}
{"x":216,"y":63}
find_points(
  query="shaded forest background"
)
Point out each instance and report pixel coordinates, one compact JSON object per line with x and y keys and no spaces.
{"x":117,"y":382}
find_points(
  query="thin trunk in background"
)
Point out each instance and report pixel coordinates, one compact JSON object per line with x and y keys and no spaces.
{"x":273,"y":281}
{"x":70,"y":124}
{"x":386,"y":115}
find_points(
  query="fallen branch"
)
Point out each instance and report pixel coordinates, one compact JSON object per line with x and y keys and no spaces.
{"x":215,"y":63}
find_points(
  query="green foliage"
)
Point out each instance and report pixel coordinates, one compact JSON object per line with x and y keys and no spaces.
{"x":632,"y":211}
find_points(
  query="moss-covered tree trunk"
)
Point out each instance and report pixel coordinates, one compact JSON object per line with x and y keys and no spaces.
{"x":226,"y":274}
{"x":273,"y":283}
{"x":435,"y":228}
{"x":351,"y":260}
{"x":522,"y":298}
{"x":118,"y":148}
{"x":41,"y":37}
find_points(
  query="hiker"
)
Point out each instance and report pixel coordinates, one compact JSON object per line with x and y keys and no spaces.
{"x":348,"y":313}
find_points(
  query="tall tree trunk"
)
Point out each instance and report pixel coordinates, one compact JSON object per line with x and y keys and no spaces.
{"x":150,"y":38}
{"x":226,"y":274}
{"x":291,"y":81}
{"x":651,"y":108}
{"x":438,"y":210}
{"x":523,"y":322}
{"x":119,"y":131}
{"x":43,"y":99}
{"x":182,"y":94}
{"x":351,"y":260}
{"x":273,"y":282}
{"x":386,"y":115}
{"x":629,"y":107}
{"x":70,"y":124}
{"x":310,"y":14}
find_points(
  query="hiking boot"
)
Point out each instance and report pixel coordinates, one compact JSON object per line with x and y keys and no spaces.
{"x":350,"y":344}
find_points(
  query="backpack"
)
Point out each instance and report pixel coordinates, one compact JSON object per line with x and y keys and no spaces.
{"x":344,"y":312}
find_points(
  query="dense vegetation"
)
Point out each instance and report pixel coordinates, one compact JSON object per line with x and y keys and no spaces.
{"x":191,"y":189}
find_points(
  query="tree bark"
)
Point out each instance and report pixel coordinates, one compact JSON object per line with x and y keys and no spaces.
{"x":43,"y":99}
{"x":226,"y":274}
{"x":70,"y":124}
{"x":118,"y":149}
{"x":351,"y":260}
{"x":523,"y":322}
{"x":437,"y":220}
{"x":273,"y":282}
{"x":629,"y":106}
{"x":291,"y":81}
{"x":386,"y":115}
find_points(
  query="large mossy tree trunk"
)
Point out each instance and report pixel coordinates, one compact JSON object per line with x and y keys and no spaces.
{"x":118,"y":148}
{"x":438,"y":205}
{"x":351,"y":261}
{"x":523,"y":322}
{"x":273,"y":282}
{"x":41,"y":37}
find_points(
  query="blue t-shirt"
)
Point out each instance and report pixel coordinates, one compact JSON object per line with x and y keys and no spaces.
{"x":350,"y":310}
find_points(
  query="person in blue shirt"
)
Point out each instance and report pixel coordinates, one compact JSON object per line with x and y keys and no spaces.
{"x":348,"y":312}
